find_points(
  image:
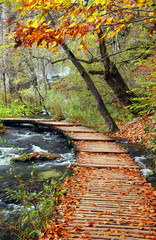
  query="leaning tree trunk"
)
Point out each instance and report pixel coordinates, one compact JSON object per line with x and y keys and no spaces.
{"x":111,"y":125}
{"x":113,"y":77}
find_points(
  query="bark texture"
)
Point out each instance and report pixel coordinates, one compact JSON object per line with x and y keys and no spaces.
{"x":113,"y":77}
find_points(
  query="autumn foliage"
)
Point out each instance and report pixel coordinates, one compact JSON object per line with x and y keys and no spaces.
{"x":55,"y":21}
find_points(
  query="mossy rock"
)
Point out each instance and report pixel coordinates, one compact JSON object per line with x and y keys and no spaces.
{"x":51,"y":173}
{"x":41,"y":156}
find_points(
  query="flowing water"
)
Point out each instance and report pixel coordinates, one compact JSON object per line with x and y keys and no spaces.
{"x":143,"y":158}
{"x":23,"y":140}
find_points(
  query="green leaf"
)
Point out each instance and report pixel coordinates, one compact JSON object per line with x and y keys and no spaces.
{"x":6,"y":2}
{"x":62,"y":191}
{"x":36,"y":232}
{"x":17,"y":7}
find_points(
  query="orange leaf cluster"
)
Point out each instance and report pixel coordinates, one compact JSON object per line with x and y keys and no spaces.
{"x":77,"y":21}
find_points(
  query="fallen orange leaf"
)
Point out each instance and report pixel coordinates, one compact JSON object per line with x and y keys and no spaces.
{"x":122,"y":236}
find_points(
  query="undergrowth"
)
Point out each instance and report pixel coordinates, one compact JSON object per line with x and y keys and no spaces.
{"x":38,"y":207}
{"x":17,"y":109}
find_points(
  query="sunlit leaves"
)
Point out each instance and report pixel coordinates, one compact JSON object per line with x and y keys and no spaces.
{"x":6,"y":2}
{"x":77,"y":19}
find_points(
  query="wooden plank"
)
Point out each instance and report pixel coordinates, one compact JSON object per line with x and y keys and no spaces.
{"x":75,"y":129}
{"x":103,"y":160}
{"x":89,"y":136}
{"x":116,"y":164}
{"x":101,"y":229}
{"x":107,"y":162}
{"x":17,"y":120}
{"x":42,"y":120}
{"x":101,"y":237}
{"x":99,"y":158}
{"x":93,"y":197}
{"x":100,"y":147}
{"x":111,"y":225}
{"x":97,"y":217}
{"x":106,"y":165}
{"x":55,"y":123}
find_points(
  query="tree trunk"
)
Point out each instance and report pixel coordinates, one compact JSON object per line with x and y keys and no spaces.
{"x":35,"y":83}
{"x":44,"y":77}
{"x":5,"y":91}
{"x":111,"y":125}
{"x":113,"y":77}
{"x":11,"y":87}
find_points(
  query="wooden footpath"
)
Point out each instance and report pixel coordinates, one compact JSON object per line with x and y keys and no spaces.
{"x":109,"y":197}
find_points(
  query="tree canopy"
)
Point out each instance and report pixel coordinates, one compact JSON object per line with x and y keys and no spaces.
{"x":49,"y":22}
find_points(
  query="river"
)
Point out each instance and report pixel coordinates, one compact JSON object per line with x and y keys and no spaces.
{"x":24,"y":140}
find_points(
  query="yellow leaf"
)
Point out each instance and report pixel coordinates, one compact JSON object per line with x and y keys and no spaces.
{"x":111,"y":34}
{"x":72,"y":15}
{"x":30,"y":21}
{"x":60,"y":18}
{"x":91,"y":19}
{"x":43,"y":44}
{"x":72,"y":25}
{"x":103,"y":2}
{"x":35,"y":24}
{"x":23,"y":12}
{"x":97,"y":1}
{"x":108,"y":21}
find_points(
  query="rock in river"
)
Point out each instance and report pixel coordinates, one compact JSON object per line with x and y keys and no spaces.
{"x":41,"y":156}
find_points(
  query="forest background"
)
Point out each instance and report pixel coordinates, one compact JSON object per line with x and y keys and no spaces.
{"x":103,"y":76}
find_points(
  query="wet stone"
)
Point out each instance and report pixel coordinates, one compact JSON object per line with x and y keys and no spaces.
{"x":36,"y":156}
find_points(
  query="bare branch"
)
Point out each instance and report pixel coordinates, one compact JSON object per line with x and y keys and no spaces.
{"x":51,"y":61}
{"x":64,"y":59}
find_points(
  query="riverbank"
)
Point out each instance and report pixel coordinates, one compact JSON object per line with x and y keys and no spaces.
{"x":140,"y":130}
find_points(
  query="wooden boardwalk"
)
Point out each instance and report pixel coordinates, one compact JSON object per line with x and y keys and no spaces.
{"x":108,"y":197}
